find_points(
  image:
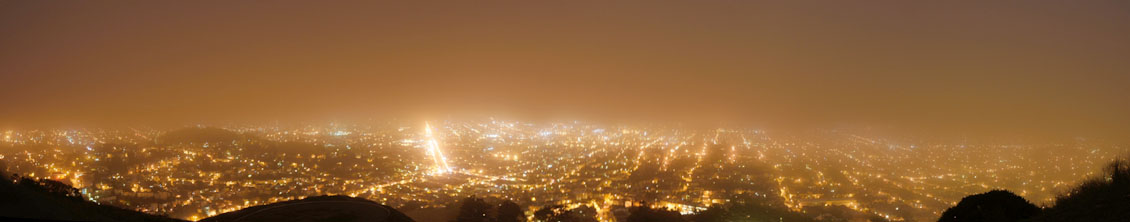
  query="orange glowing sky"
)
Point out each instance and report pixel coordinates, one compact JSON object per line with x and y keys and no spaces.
{"x":1008,"y":64}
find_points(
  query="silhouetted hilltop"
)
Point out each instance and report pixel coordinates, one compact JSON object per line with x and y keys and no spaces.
{"x":1105,"y":198}
{"x":26,"y":198}
{"x":996,"y":205}
{"x":195,"y":135}
{"x":320,"y":208}
{"x":219,"y":138}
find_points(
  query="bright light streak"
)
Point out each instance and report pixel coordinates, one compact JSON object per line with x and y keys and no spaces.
{"x":433,"y":150}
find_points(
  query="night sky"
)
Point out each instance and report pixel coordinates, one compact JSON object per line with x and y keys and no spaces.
{"x":1002,"y":65}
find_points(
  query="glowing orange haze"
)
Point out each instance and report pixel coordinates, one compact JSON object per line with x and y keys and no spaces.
{"x":1022,"y":65}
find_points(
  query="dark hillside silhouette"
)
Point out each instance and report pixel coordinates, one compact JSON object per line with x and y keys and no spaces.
{"x":1105,"y":198}
{"x":52,"y":200}
{"x":996,"y":205}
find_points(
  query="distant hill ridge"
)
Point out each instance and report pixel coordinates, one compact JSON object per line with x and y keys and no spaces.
{"x":201,"y":135}
{"x":220,"y":137}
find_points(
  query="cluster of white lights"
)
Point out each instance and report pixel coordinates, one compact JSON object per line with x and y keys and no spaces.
{"x":434,"y":151}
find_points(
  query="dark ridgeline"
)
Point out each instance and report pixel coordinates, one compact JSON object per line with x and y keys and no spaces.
{"x":1103,"y":198}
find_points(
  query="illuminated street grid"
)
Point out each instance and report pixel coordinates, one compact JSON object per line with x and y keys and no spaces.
{"x":435,"y":164}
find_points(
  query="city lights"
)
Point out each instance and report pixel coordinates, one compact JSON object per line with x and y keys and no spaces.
{"x":687,"y":170}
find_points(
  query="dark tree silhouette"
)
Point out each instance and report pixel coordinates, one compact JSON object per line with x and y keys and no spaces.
{"x":584,"y":214}
{"x":712,"y":214}
{"x":1119,"y":172}
{"x":558,"y":213}
{"x":644,"y":213}
{"x":996,"y":205}
{"x":473,"y":210}
{"x":55,"y":187}
{"x":508,"y":211}
{"x":748,"y":208}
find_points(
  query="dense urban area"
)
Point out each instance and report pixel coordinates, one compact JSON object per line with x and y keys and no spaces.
{"x":200,"y":171}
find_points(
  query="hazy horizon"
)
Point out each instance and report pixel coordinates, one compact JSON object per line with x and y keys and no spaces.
{"x":1040,"y":66}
